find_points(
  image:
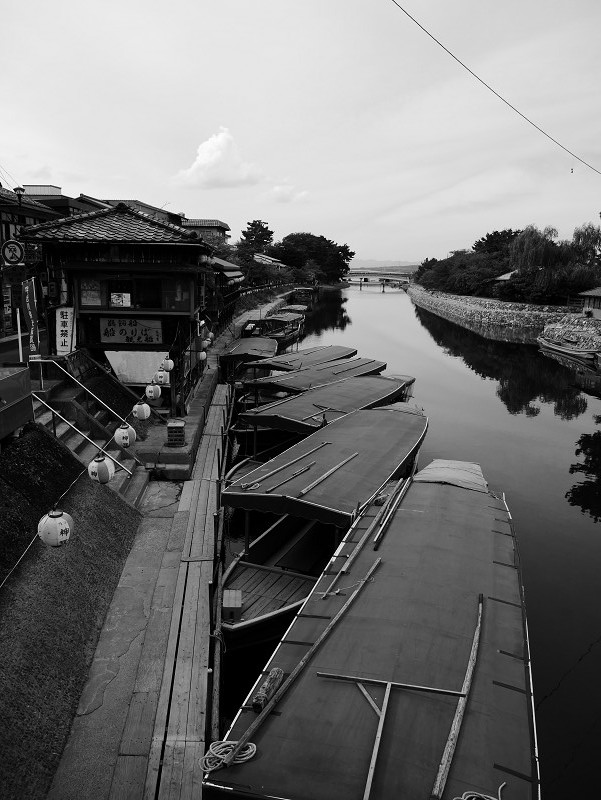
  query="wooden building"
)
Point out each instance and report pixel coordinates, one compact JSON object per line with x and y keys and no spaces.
{"x":132,"y":291}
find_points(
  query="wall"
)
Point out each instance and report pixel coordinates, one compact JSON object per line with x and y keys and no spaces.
{"x":494,"y":319}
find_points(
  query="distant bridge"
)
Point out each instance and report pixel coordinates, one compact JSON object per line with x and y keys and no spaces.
{"x":375,"y":276}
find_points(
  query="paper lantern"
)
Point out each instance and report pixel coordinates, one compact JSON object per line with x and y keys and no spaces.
{"x":205,"y":343}
{"x":160,"y":377}
{"x":211,"y":336}
{"x":202,"y":356}
{"x":101,"y":469}
{"x":141,"y":410}
{"x":125,"y":435}
{"x":167,"y":364}
{"x":55,"y":528}
{"x":153,"y":392}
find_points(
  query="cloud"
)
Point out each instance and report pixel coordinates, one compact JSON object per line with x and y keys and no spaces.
{"x":218,"y":164}
{"x":286,"y":193}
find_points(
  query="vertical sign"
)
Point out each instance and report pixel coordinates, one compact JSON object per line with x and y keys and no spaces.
{"x":31,"y":316}
{"x":65,"y":331}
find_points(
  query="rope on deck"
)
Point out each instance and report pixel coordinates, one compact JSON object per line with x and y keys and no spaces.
{"x":217,"y":752}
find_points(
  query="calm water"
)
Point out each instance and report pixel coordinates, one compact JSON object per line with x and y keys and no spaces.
{"x":533,"y":425}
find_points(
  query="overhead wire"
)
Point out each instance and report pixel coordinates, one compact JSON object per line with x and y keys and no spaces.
{"x":500,"y":97}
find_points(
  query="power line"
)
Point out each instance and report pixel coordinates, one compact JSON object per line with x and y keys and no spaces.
{"x":8,"y":177}
{"x":490,"y":89}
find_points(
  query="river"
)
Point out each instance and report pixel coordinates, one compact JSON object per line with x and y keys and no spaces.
{"x":533,"y":424}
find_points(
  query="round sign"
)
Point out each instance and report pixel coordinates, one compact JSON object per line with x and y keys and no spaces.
{"x":13,"y":252}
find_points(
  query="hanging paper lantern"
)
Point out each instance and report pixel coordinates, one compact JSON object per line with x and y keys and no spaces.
{"x":167,"y":364}
{"x":141,"y":410}
{"x":202,"y":356}
{"x":205,"y":343}
{"x":125,"y":435}
{"x":211,"y":336}
{"x":160,"y":377}
{"x":55,"y":528}
{"x":101,"y":469}
{"x":153,"y":392}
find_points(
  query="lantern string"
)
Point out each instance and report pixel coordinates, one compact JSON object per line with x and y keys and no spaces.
{"x":21,"y":557}
{"x":84,"y":472}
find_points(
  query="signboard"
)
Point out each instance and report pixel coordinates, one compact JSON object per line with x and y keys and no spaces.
{"x":124,"y":330}
{"x":13,"y":252}
{"x":31,"y":316}
{"x":65,"y":330}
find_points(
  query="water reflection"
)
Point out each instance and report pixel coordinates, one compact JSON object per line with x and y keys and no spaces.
{"x":524,"y":376}
{"x":328,"y":313}
{"x":587,"y":494}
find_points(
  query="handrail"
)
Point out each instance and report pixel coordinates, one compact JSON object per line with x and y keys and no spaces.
{"x":81,"y":433}
{"x":109,"y":374}
{"x":79,"y":383}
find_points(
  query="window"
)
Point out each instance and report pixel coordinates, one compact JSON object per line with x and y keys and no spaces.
{"x":120,"y":293}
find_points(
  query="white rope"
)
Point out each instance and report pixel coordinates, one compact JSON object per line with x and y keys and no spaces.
{"x":218,"y":751}
{"x":480,"y":796}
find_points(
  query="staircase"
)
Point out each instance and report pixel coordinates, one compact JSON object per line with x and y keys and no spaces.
{"x":73,"y":414}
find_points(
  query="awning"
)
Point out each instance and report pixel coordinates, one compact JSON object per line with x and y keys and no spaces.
{"x":231,"y":272}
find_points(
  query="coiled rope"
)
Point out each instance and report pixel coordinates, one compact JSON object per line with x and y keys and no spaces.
{"x":480,"y":796}
{"x":217,"y":752}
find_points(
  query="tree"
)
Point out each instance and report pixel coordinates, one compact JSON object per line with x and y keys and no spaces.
{"x":587,"y":244}
{"x":255,"y":239}
{"x":495,"y":242}
{"x":301,"y":251}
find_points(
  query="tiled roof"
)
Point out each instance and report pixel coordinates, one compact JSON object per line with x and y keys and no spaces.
{"x":10,"y":198}
{"x":116,"y":224}
{"x":205,"y":223}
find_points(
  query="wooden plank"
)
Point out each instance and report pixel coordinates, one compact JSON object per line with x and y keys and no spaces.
{"x":197,"y":698}
{"x":192,"y":777}
{"x":185,"y":498}
{"x":178,"y":711}
{"x":160,"y":722}
{"x":128,"y":778}
{"x":173,"y":770}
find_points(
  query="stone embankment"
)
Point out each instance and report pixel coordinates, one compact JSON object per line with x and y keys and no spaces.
{"x":494,"y":319}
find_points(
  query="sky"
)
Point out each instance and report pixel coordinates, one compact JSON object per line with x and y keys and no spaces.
{"x":340,"y":118}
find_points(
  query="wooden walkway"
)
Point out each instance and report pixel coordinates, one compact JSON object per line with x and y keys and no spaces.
{"x":164,"y":736}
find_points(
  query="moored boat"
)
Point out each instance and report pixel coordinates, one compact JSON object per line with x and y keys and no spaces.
{"x":266,"y":388}
{"x":285,"y":327}
{"x":569,"y":347}
{"x":406,"y":673}
{"x":243,"y":350}
{"x":308,"y":411}
{"x":324,"y":481}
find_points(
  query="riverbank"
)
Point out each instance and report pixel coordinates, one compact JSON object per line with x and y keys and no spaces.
{"x":493,"y":319}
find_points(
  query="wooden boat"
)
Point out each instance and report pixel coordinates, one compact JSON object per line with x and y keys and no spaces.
{"x":298,"y":308}
{"x":290,"y":361}
{"x":406,"y":673}
{"x":267,"y":388}
{"x":315,"y":489}
{"x":285,"y":327}
{"x":243,"y":350}
{"x":569,"y":348}
{"x":308,"y":411}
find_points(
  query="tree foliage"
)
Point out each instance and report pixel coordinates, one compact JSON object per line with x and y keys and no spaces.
{"x":306,"y":251}
{"x":255,"y":239}
{"x":545,"y":269}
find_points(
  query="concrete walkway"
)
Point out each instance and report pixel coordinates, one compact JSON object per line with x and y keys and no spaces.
{"x":139,"y":731}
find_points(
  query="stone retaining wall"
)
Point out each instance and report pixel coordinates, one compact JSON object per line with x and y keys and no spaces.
{"x":494,"y":319}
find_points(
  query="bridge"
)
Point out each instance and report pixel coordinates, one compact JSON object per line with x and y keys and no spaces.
{"x":393,"y":275}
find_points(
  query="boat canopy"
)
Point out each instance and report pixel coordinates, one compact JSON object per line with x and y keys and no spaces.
{"x":308,"y":356}
{"x":409,"y":667}
{"x":320,"y":374}
{"x":333,"y":472}
{"x":249,"y":349}
{"x":315,"y":408}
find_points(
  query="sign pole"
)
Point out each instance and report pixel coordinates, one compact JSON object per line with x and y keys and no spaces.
{"x":19,"y":334}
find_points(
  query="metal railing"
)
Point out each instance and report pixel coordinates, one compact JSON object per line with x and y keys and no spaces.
{"x":83,"y":435}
